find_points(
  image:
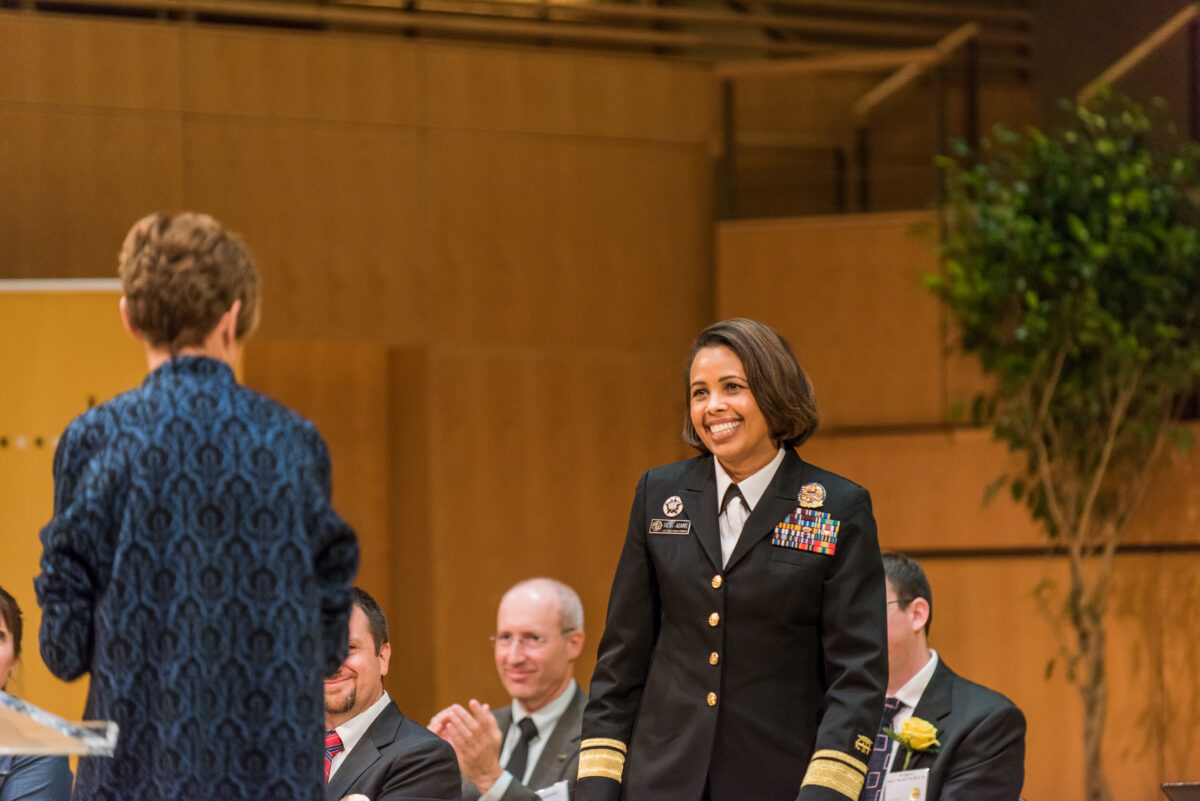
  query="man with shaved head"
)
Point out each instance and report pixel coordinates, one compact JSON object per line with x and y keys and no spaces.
{"x":529,"y":749}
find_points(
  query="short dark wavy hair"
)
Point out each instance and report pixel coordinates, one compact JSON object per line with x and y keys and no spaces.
{"x":180,"y":274}
{"x":907,"y":578}
{"x":779,"y":384}
{"x":376,"y":621}
{"x":10,"y":610}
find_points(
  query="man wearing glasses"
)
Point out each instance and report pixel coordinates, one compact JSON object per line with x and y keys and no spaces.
{"x":530,"y":749}
{"x":979,"y":753}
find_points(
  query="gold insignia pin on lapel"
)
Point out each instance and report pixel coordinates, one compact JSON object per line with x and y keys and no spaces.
{"x":812,"y":496}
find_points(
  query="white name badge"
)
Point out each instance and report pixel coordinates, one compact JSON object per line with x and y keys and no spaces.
{"x":906,"y":785}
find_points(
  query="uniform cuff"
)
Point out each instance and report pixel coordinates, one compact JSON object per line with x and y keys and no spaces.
{"x":834,"y":771}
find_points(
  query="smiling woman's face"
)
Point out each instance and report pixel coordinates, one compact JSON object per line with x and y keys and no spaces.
{"x":726,"y":415}
{"x":7,"y":652}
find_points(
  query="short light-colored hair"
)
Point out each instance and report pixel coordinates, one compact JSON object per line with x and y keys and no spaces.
{"x":570,"y":608}
{"x":779,"y":384}
{"x":180,"y":274}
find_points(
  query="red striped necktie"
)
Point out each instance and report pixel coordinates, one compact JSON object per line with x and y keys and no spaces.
{"x":333,"y":746}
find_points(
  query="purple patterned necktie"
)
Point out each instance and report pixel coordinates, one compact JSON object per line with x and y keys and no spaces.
{"x":881,"y":754}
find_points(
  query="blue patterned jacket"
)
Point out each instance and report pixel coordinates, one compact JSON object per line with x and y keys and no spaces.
{"x":195,"y":567}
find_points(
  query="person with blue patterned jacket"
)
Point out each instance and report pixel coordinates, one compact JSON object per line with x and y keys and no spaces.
{"x":194,"y":565}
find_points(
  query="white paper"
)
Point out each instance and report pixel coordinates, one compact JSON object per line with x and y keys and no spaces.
{"x":906,"y":785}
{"x":555,"y":792}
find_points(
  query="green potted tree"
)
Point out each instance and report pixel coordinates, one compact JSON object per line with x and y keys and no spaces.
{"x":1071,"y":269}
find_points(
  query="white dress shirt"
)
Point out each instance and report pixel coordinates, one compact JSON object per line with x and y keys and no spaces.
{"x":734,"y":517}
{"x":545,"y":719}
{"x":909,"y":696}
{"x":353,"y":730}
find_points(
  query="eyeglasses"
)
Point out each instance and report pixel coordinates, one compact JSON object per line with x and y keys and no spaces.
{"x":528,"y":640}
{"x":902,"y":601}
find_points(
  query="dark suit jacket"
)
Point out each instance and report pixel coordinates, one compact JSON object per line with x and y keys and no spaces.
{"x":982,"y":736}
{"x":559,"y":759}
{"x":738,"y":677}
{"x":398,"y":760}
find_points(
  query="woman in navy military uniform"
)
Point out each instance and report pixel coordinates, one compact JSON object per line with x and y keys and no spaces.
{"x":745,"y":651}
{"x":194,"y":565}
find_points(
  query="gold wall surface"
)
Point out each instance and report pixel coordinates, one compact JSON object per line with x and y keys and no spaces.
{"x":62,"y":350}
{"x":481,"y":266}
{"x":482,"y":269}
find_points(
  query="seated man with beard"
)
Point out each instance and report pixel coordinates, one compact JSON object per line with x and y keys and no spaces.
{"x":371,"y":749}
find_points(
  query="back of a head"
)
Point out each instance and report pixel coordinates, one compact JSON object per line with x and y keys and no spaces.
{"x":180,"y":274}
{"x":907,"y":578}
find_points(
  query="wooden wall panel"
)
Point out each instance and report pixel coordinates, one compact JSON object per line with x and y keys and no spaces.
{"x":989,"y":627}
{"x":342,"y":387}
{"x":847,"y":292}
{"x":537,"y":241}
{"x":534,"y":462}
{"x":333,"y":215}
{"x":371,"y":404}
{"x":63,"y":61}
{"x":1175,"y":580}
{"x":361,"y":79}
{"x":412,"y":676}
{"x":59,"y":350}
{"x":928,"y":488}
{"x":74,"y":182}
{"x":813,"y":106}
{"x":530,"y":91}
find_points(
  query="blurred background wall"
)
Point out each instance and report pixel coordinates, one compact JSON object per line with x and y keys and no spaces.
{"x":483,"y":264}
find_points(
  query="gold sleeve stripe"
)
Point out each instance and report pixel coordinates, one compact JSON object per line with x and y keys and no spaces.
{"x":603,"y":762}
{"x":838,"y":755}
{"x":836,"y":776}
{"x":604,"y":742}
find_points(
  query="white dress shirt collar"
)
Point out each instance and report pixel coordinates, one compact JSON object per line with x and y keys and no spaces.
{"x":547,"y":717}
{"x":752,"y":487}
{"x":910,"y":694}
{"x":353,"y":729}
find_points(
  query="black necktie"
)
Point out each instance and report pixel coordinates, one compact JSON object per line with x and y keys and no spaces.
{"x":878,"y":766}
{"x":520,"y":754}
{"x":731,"y":492}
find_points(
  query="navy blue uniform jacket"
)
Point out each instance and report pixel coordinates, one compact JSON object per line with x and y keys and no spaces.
{"x":195,"y":568}
{"x":763,"y":679}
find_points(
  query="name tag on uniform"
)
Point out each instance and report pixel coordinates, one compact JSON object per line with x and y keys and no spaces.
{"x":807,"y":530}
{"x":906,"y":785}
{"x":679,"y":527}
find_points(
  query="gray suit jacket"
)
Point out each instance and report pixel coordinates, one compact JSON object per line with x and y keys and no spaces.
{"x":982,"y":735}
{"x":398,"y":760}
{"x":559,"y":759}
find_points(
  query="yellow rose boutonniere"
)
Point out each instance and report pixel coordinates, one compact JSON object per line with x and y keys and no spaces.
{"x":915,"y":735}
